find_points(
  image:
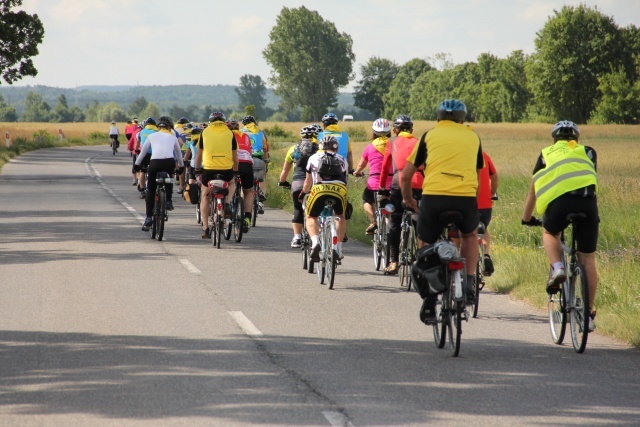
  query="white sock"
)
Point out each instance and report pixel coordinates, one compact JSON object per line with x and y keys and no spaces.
{"x":297,"y":236}
{"x":315,"y":240}
{"x":557,"y":265}
{"x":339,"y":247}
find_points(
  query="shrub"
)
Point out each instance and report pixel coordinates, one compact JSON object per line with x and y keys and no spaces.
{"x":276,"y":131}
{"x":43,"y":137}
{"x":98,"y":135}
{"x":357,"y":133}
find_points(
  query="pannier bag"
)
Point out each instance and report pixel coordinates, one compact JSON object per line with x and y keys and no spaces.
{"x":259,"y":169}
{"x":429,"y":272}
{"x":191,"y":193}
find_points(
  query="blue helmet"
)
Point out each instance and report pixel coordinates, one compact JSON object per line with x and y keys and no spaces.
{"x":329,"y":119}
{"x":451,"y":109}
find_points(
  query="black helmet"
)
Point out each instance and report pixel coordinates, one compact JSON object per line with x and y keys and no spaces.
{"x":403,"y":122}
{"x":329,"y":119}
{"x":233,"y":124}
{"x":248,"y":119}
{"x":217,"y":116}
{"x":565,"y":129}
{"x":328,"y":143}
{"x":165,"y":122}
{"x":196,"y":131}
{"x":451,"y":109}
{"x":183,"y":121}
{"x":150,"y":121}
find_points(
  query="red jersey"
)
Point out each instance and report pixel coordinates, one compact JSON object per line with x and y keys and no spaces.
{"x":484,"y":193}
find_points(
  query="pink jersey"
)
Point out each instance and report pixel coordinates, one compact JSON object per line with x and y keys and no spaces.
{"x":374,"y":158}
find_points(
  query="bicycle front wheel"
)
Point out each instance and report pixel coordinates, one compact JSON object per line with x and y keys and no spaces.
{"x":162,"y":213}
{"x":579,"y":309}
{"x":454,"y":319}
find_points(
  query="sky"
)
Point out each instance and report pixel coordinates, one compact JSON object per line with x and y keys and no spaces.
{"x":208,"y":42}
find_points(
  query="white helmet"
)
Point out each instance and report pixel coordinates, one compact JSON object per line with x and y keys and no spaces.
{"x":381,"y":126}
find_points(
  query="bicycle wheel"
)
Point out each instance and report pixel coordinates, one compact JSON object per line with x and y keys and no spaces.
{"x":305,"y":254}
{"x":332,"y":256}
{"x":403,"y":271}
{"x":479,"y":281}
{"x":254,"y":208}
{"x":322,"y":265}
{"x":198,"y":214}
{"x":214,"y":222}
{"x":162,"y":213}
{"x":154,"y":221}
{"x":239,"y":220}
{"x":227,"y":226}
{"x":454,"y":319}
{"x":220,"y":227}
{"x":557,"y":316}
{"x":411,"y":256}
{"x":377,"y":250}
{"x":579,"y":309}
{"x":440,"y":327}
{"x":113,"y":147}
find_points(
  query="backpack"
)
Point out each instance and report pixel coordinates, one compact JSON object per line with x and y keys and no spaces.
{"x":304,"y":149}
{"x":330,"y":167}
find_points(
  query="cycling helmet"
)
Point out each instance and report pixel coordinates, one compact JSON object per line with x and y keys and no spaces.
{"x":451,"y":109}
{"x":165,"y":122}
{"x":217,"y":116}
{"x":308,"y":131}
{"x":196,"y":131}
{"x":204,"y":125}
{"x":381,"y":126}
{"x":403,"y":122}
{"x":316,"y":128}
{"x":149,"y":121}
{"x":329,"y":119}
{"x":328,"y":143}
{"x":187,"y":127}
{"x":183,"y":121}
{"x":565,"y":129}
{"x":233,"y":124}
{"x":248,"y":119}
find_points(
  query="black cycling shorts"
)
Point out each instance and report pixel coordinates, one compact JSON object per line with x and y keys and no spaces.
{"x":485,"y":216}
{"x":429,"y":227}
{"x":245,"y":170}
{"x":144,"y":165}
{"x":208,"y":175}
{"x":369,"y":196}
{"x":554,"y":219}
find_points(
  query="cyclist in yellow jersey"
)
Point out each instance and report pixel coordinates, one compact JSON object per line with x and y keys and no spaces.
{"x":452,"y":156}
{"x":565,"y":181}
{"x":217,"y":155}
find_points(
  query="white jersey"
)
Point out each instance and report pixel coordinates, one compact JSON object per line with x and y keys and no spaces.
{"x":314,"y":163}
{"x":164,"y":145}
{"x":113,"y":130}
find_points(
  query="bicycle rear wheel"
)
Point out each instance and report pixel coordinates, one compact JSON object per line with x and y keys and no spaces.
{"x":377,"y":251}
{"x":154,"y":221}
{"x":403,"y":271}
{"x":557,"y":316}
{"x":227,"y":226}
{"x":162,"y":212}
{"x":479,"y":282}
{"x":254,"y":208}
{"x":411,"y":256}
{"x":239,"y":220}
{"x":322,"y":265}
{"x":332,"y":256}
{"x":440,"y":327}
{"x":454,"y":319}
{"x":579,"y":319}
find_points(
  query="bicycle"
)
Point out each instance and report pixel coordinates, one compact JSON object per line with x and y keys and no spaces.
{"x":114,"y":144}
{"x":450,"y":304}
{"x":329,"y":242}
{"x":160,"y":215}
{"x":236,"y":223}
{"x":257,"y":207}
{"x":479,"y":285}
{"x":408,"y":248}
{"x":572,"y":300}
{"x":380,"y":236}
{"x":218,"y":190}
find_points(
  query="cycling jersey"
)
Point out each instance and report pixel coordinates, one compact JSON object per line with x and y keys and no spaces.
{"x":453,"y":155}
{"x":568,"y":168}
{"x":113,"y":130}
{"x":344,"y":145}
{"x":244,"y":147}
{"x":217,"y":144}
{"x":259,"y":144}
{"x":144,"y":133}
{"x":300,"y":165}
{"x":314,"y":163}
{"x":165,"y":146}
{"x":395,"y":157}
{"x":374,"y":155}
{"x":484,"y":193}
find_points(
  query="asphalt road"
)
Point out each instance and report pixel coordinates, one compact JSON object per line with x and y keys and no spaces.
{"x":102,"y":326}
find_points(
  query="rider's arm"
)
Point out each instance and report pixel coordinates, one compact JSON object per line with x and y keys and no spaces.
{"x":143,"y":152}
{"x":529,"y":204}
{"x":308,"y":183}
{"x":177,"y":153}
{"x":234,"y":153}
{"x":386,"y":162}
{"x":286,"y":167}
{"x":199,"y":154}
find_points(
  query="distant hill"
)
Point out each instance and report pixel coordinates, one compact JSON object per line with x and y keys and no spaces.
{"x":223,"y":96}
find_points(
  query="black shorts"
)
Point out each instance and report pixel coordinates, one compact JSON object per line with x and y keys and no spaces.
{"x":322,"y":192}
{"x":554,"y":219}
{"x":208,"y":175}
{"x":245,"y":170}
{"x":429,"y":228}
{"x":485,"y":216}
{"x":144,"y":165}
{"x":369,"y":196}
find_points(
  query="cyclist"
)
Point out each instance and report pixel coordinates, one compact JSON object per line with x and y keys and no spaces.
{"x":373,"y":155}
{"x":330,"y":128}
{"x":326,"y":178}
{"x":190,"y":155}
{"x":113,"y":134}
{"x":488,"y":187}
{"x":565,"y":181}
{"x":245,"y":169}
{"x":260,"y":153}
{"x":165,"y":152}
{"x":297,"y":157}
{"x":148,"y":127}
{"x":217,"y":155}
{"x":452,"y":157}
{"x":132,"y":146}
{"x":183,"y":132}
{"x":395,"y":156}
{"x":129,"y":129}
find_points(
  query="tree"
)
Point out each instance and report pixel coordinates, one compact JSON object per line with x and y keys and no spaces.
{"x":426,"y":93}
{"x":137,"y":107}
{"x":396,"y":100}
{"x":151,"y":110}
{"x":35,"y":109}
{"x":377,"y":76}
{"x":20,"y":35}
{"x":575,"y":47}
{"x":516,"y":93}
{"x":620,"y":101}
{"x":61,"y":112}
{"x":310,"y":60}
{"x":112,"y":111}
{"x":252,"y":91}
{"x":7,"y":112}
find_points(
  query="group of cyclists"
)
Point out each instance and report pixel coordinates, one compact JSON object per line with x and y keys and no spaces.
{"x":444,"y":170}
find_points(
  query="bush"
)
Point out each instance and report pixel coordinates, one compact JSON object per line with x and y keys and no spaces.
{"x":98,"y":135}
{"x":357,"y":133}
{"x":43,"y":137}
{"x":276,"y":131}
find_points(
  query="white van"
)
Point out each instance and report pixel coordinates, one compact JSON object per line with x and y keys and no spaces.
{"x":347,"y":118}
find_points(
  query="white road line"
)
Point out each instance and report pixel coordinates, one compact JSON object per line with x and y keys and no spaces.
{"x":190,"y":267}
{"x":337,"y":419}
{"x":246,"y":325}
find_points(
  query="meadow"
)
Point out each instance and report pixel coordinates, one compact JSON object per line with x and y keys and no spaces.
{"x":521,"y":265}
